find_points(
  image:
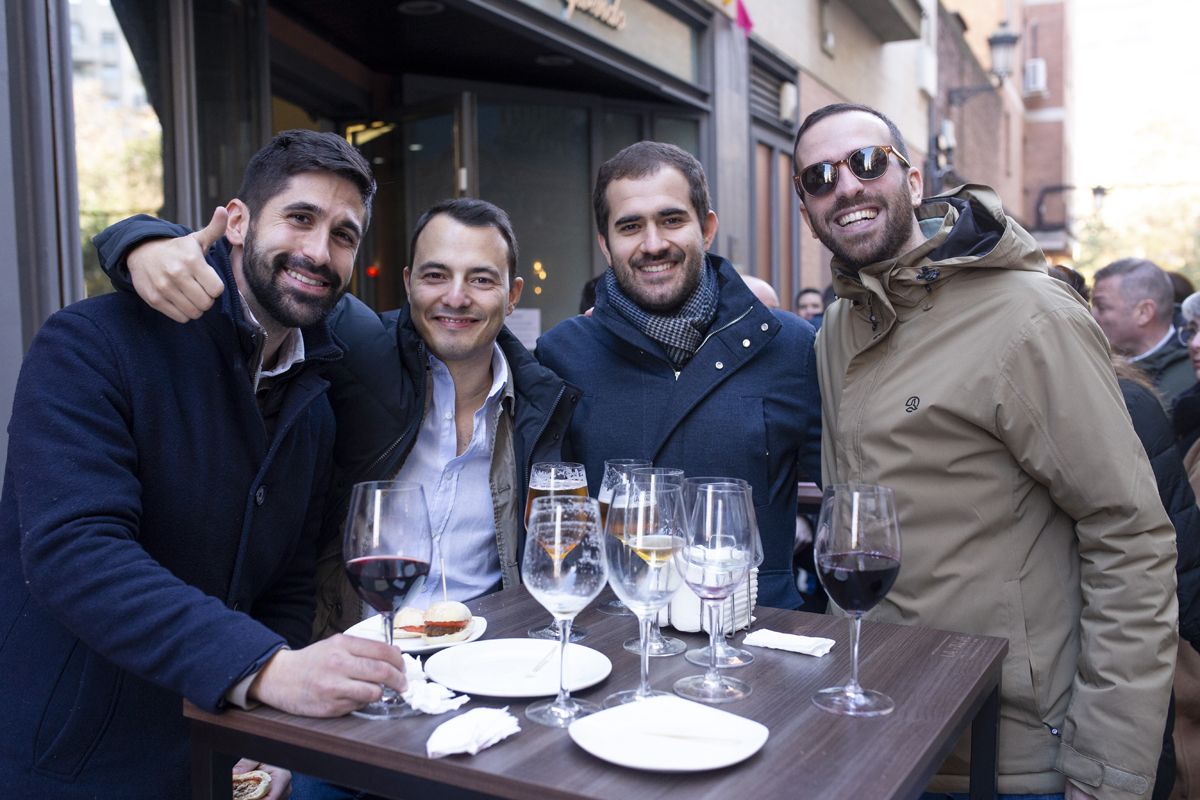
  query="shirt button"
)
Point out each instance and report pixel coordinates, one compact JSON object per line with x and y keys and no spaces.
{"x":745,"y":342}
{"x":260,"y":495}
{"x":448,"y":415}
{"x":720,"y":365}
{"x":765,"y":327}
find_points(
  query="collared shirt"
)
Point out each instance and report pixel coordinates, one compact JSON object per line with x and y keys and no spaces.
{"x":290,"y":353}
{"x":458,"y":487}
{"x":1161,"y":344}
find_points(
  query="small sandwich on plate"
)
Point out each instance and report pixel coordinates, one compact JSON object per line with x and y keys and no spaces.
{"x":409,"y":623}
{"x":251,"y":785}
{"x":447,"y":622}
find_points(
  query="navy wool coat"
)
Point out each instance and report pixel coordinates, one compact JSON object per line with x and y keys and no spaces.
{"x":156,"y":542}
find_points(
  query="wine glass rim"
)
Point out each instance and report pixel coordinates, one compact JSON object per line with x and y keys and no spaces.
{"x":389,"y":486}
{"x":859,"y":486}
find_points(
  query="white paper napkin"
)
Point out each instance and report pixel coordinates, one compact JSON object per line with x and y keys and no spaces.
{"x":425,"y":695}
{"x":808,"y":645}
{"x":476,"y":730}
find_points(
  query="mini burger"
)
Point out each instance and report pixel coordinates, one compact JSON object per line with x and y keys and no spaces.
{"x":252,"y":785}
{"x":409,"y":623}
{"x":446,"y":622}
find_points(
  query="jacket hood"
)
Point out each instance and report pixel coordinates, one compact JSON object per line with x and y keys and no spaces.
{"x":966,"y":228}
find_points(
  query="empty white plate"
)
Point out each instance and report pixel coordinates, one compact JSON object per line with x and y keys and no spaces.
{"x":668,"y":734}
{"x":515,"y":668}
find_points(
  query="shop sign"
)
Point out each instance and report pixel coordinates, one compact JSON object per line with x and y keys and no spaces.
{"x":607,"y":11}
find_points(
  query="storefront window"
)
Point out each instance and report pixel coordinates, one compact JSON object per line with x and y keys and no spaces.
{"x":118,"y":129}
{"x":534,"y":163}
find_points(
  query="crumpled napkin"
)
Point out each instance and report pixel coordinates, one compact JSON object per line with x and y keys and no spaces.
{"x":808,"y":645}
{"x":477,"y":729}
{"x":426,"y":696}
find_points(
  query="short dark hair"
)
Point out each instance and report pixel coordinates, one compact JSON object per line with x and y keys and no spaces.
{"x":473,"y":213}
{"x":844,"y":108}
{"x":1142,"y":279}
{"x":647,"y":158}
{"x":297,"y":151}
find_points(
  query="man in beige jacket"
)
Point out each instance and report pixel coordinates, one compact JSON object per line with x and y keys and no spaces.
{"x":954,"y":370}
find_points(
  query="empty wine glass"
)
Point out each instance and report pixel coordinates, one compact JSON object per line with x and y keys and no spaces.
{"x":714,"y":560}
{"x":616,"y":472}
{"x":857,"y":551}
{"x":554,"y":479}
{"x":386,"y":549}
{"x":728,"y":657}
{"x":660,"y":646}
{"x":564,"y":569}
{"x":646,"y":527}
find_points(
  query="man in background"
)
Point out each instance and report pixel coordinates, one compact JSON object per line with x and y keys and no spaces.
{"x":1134,"y":303}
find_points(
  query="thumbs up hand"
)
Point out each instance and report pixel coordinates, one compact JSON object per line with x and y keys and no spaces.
{"x":171,"y":275}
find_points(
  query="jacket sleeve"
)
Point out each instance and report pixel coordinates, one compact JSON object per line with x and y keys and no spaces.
{"x":1152,"y":427}
{"x":73,"y":469}
{"x":1062,"y":417}
{"x":114,"y":243}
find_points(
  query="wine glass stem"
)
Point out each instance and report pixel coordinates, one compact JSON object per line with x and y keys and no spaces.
{"x":644,"y":629}
{"x":713,"y":607}
{"x":564,"y":636}
{"x":389,"y":695}
{"x":855,"y":625}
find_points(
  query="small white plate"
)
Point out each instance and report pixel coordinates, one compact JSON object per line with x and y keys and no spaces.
{"x":668,"y":734}
{"x":372,"y":628}
{"x":515,"y":668}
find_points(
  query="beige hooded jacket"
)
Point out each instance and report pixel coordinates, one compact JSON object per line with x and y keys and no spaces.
{"x":980,"y":389}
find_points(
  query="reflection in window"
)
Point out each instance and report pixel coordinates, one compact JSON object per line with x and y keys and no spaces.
{"x":118,"y":136}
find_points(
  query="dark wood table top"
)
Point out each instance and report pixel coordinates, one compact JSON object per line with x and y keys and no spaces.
{"x":939,"y":681}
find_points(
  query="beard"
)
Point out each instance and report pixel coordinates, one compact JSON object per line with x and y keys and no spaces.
{"x":889,"y":243}
{"x":289,"y":308}
{"x":660,"y":300}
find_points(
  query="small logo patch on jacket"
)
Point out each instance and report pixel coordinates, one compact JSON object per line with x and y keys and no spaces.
{"x":912,"y":404}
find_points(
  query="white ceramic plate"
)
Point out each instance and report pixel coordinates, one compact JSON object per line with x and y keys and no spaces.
{"x":515,"y":668}
{"x":372,"y":628}
{"x":668,"y":734}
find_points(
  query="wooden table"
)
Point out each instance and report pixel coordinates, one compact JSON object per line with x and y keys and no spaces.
{"x":942,"y":683}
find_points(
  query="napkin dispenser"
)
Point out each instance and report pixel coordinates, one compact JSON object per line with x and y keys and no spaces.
{"x":685,"y":612}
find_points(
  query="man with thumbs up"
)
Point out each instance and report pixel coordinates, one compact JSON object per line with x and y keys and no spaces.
{"x":164,"y":490}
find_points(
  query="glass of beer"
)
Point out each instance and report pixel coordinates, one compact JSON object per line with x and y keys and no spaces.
{"x":617,"y":473}
{"x":554,"y":479}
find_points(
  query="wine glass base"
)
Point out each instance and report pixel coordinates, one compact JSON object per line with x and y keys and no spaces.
{"x":549,"y":713}
{"x":699,"y":688}
{"x":615,"y":608}
{"x":661,"y":647}
{"x":849,"y":702}
{"x":550,"y":633}
{"x":631,"y":696}
{"x":727,"y":657}
{"x":385,"y":710}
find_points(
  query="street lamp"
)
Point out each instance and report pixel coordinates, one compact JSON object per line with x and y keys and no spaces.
{"x":1001,"y":45}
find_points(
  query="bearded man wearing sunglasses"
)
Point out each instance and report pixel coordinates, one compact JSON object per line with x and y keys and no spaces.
{"x":953,"y":369}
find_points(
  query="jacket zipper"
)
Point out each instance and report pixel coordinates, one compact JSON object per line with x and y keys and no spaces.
{"x":554,"y":407}
{"x":711,"y":334}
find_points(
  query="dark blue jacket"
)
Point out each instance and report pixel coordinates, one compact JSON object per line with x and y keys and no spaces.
{"x":155,"y":542}
{"x":745,"y":406}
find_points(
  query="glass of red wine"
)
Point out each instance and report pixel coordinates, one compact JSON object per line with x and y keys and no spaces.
{"x":857,"y":551}
{"x":386,"y":548}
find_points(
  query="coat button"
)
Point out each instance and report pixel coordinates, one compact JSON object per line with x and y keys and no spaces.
{"x":260,"y":495}
{"x":745,"y":342}
{"x":765,"y":327}
{"x":720,"y":365}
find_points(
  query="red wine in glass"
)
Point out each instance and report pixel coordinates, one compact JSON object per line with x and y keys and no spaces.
{"x":386,"y":582}
{"x":857,"y":580}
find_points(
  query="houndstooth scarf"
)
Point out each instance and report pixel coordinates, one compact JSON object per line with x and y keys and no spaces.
{"x":681,"y":333}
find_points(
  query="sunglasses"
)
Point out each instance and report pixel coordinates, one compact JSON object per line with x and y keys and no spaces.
{"x":1186,"y":334}
{"x":866,"y":163}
